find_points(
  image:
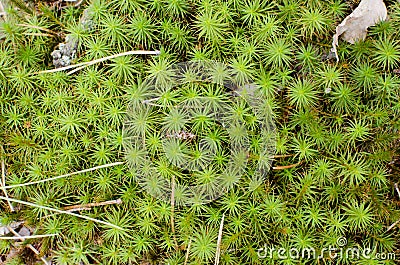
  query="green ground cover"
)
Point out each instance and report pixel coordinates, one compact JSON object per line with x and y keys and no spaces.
{"x":337,"y":131}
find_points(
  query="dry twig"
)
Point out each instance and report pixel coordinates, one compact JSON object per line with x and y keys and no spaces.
{"x":90,"y":205}
{"x":286,"y":167}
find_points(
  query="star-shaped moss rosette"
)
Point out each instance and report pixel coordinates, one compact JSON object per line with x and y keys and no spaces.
{"x":196,"y":129}
{"x":337,"y":130}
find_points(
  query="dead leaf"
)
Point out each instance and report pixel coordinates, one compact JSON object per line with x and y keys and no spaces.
{"x":354,"y":27}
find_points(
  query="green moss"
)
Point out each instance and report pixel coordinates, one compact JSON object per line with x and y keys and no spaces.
{"x":336,"y":125}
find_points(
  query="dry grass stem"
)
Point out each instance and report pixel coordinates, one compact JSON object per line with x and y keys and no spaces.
{"x":3,"y":184}
{"x":62,"y":212}
{"x":39,"y":28}
{"x":26,"y":237}
{"x":63,"y":176}
{"x":173,"y":210}
{"x":84,"y":64}
{"x":188,"y":251}
{"x":218,"y":251}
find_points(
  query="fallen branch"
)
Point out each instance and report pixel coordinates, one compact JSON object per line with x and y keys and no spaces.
{"x":90,"y":205}
{"x":63,"y":176}
{"x":62,"y":212}
{"x":84,"y":64}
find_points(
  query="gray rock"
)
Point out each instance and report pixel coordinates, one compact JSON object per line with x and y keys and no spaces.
{"x":24,"y":231}
{"x":4,"y":228}
{"x":66,"y":52}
